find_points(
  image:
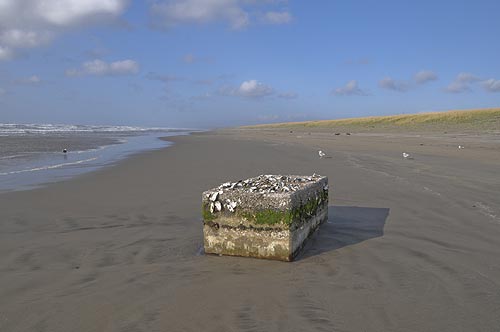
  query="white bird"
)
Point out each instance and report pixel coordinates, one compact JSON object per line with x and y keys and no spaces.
{"x":406,"y":155}
{"x":461,"y":147}
{"x":321,"y":154}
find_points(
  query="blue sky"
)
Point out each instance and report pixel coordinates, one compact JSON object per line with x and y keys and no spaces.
{"x":212,"y":63}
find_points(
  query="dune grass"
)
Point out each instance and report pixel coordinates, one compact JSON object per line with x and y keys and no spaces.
{"x":480,"y":119}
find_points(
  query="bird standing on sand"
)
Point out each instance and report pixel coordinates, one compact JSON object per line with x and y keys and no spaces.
{"x":321,"y":154}
{"x":406,"y":155}
{"x":460,"y":147}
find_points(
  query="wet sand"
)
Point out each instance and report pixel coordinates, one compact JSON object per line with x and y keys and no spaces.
{"x":410,"y":245}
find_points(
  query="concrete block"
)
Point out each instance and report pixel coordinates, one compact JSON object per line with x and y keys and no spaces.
{"x":269,"y":216}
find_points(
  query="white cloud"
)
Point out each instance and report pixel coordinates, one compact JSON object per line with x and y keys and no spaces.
{"x":253,"y":89}
{"x":391,"y":84}
{"x":32,"y":80}
{"x":467,"y":78}
{"x":236,"y":13}
{"x":288,"y":95}
{"x":425,"y":76}
{"x":248,"y":89}
{"x":277,"y":17}
{"x":102,"y":68}
{"x":5,"y":53}
{"x":457,"y":87}
{"x":70,"y":12}
{"x":27,"y":24}
{"x":420,"y":78}
{"x":462,"y":83}
{"x":17,"y":38}
{"x":174,"y":12}
{"x":123,"y":67}
{"x":491,"y":85}
{"x":350,"y":89}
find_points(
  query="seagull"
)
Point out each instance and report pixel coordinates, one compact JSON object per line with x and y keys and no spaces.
{"x":65,"y":150}
{"x":461,"y":147}
{"x":406,"y":155}
{"x":321,"y":154}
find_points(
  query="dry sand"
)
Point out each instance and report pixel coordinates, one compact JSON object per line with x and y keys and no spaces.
{"x":411,"y":245}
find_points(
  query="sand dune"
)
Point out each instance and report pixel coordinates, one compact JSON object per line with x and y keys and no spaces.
{"x":475,"y":120}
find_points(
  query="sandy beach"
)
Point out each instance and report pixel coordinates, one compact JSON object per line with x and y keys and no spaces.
{"x":410,"y":244}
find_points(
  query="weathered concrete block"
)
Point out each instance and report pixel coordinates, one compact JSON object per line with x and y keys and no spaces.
{"x":269,"y":216}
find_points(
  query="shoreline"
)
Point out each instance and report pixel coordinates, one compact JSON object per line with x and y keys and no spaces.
{"x":409,"y":244}
{"x":53,"y":167}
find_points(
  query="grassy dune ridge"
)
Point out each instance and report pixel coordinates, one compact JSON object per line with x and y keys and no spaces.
{"x":480,"y":119}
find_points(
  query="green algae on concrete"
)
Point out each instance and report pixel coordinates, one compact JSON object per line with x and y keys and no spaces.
{"x":205,"y":210}
{"x":269,"y":216}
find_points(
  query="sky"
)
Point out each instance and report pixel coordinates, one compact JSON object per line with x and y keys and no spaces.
{"x":216,"y":63}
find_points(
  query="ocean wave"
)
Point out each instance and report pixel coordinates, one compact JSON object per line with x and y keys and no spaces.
{"x":27,"y":129}
{"x":42,"y":168}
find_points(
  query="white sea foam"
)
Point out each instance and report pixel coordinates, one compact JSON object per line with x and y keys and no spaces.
{"x":11,"y":157}
{"x":42,"y":168}
{"x":487,"y":211}
{"x":92,"y":150}
{"x":7,"y":129}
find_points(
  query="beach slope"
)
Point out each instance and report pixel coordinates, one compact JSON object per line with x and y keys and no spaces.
{"x":410,"y":244}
